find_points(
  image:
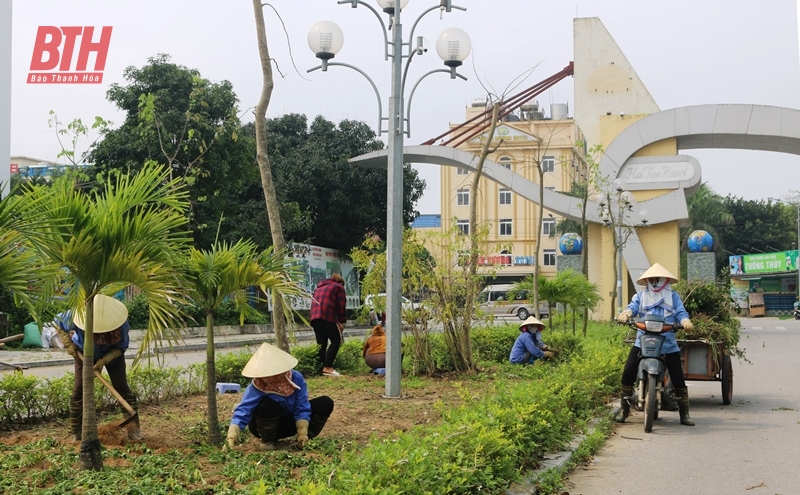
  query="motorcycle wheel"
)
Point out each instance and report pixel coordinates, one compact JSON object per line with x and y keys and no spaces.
{"x":650,"y":403}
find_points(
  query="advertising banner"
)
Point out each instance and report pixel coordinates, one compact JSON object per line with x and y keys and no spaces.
{"x":748,"y":264}
{"x":318,"y":263}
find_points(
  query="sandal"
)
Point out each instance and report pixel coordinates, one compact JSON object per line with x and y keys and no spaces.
{"x":331,"y":373}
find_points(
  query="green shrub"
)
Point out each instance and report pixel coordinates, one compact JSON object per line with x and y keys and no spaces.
{"x":308,"y":362}
{"x":494,"y":344}
{"x":226,"y":314}
{"x":229,"y":366}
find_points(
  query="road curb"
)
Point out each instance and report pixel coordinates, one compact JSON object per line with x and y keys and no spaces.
{"x":558,"y":461}
{"x":305,"y":336}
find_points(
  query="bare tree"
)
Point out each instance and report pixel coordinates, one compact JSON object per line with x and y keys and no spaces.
{"x":267,"y":184}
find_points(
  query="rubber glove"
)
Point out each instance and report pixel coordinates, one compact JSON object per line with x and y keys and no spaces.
{"x":548,"y":355}
{"x":302,"y":432}
{"x":687,"y":325}
{"x":233,"y":435}
{"x":107,"y":358}
{"x":624,"y":316}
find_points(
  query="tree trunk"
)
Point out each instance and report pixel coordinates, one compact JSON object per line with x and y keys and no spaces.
{"x":270,"y":196}
{"x":463,"y":341}
{"x":91,"y":456}
{"x":585,"y":252}
{"x":214,"y":436}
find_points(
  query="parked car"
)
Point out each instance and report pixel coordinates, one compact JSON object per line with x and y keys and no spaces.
{"x":494,"y":299}
{"x":406,"y":304}
{"x":411,"y":311}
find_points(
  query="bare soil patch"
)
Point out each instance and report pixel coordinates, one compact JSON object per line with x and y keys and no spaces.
{"x":360,"y":413}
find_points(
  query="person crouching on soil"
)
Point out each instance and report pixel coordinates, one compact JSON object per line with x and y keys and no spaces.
{"x":529,"y":346}
{"x":374,"y":351}
{"x":657,"y":298}
{"x":111,"y":339}
{"x":275,"y":404}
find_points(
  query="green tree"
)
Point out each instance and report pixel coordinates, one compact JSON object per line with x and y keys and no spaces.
{"x":758,"y":224}
{"x":26,"y":277}
{"x":130,"y":234}
{"x":333,"y":202}
{"x":445,"y":276}
{"x":707,"y":211}
{"x":177,"y":118}
{"x":226,"y":271}
{"x":567,"y":287}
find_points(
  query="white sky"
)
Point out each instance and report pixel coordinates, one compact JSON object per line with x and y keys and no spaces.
{"x":687,"y":52}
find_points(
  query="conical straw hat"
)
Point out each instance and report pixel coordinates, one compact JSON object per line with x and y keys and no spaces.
{"x":531,"y":321}
{"x":656,"y":271}
{"x":268,"y":361}
{"x":109,"y":314}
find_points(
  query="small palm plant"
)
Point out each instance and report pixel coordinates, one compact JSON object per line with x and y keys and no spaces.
{"x":129,"y":233}
{"x":23,"y":270}
{"x":226,"y":271}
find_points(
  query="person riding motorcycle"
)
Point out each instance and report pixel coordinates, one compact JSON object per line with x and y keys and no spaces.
{"x":659,"y":299}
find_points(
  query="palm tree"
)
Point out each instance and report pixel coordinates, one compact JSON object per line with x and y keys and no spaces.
{"x":707,"y":212}
{"x":225,"y":271}
{"x":22,"y":269}
{"x":129,"y":234}
{"x":567,"y":287}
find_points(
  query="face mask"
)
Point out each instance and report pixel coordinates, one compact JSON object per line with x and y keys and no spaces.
{"x":656,"y":284}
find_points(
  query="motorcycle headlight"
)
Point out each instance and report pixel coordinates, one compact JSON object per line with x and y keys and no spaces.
{"x":654,"y":326}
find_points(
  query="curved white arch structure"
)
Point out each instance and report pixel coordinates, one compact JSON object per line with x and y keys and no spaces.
{"x":723,"y":126}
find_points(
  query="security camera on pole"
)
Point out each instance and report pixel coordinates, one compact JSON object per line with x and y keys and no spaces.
{"x":325,"y":39}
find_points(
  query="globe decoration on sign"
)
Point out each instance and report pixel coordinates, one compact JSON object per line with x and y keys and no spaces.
{"x":570,"y":243}
{"x":700,"y":241}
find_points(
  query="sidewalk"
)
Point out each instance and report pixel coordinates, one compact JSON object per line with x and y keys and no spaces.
{"x":34,"y":358}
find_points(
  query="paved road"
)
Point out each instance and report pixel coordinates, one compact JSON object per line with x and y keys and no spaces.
{"x":751,"y":447}
{"x":176,"y":359}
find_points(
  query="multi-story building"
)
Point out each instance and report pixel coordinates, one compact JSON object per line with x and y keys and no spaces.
{"x":522,"y":142}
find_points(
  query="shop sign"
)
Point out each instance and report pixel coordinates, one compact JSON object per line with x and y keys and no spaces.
{"x":782,"y":261}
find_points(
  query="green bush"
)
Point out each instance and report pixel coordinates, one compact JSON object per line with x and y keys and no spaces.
{"x":494,"y":344}
{"x":226,"y":314}
{"x":481,"y":445}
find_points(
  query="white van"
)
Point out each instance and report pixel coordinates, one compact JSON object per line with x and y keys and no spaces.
{"x":494,"y":299}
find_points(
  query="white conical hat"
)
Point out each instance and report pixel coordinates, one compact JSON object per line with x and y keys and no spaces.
{"x":268,"y":361}
{"x":109,"y":314}
{"x":656,"y":271}
{"x":531,"y":321}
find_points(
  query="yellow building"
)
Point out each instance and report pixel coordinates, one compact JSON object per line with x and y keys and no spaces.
{"x":522,"y":142}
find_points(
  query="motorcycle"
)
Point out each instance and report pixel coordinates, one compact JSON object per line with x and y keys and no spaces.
{"x":653,"y":390}
{"x":797,"y":313}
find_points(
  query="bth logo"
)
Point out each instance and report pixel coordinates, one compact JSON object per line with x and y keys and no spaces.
{"x":51,"y":66}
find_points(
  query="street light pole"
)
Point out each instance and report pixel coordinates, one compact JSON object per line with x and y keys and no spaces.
{"x":394,"y":216}
{"x":453,"y":45}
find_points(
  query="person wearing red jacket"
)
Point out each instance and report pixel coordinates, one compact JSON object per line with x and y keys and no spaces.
{"x":328,"y":316}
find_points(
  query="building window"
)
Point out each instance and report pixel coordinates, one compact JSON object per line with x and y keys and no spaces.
{"x":505,"y":161}
{"x":463,"y":226}
{"x":505,"y":196}
{"x":505,"y":227}
{"x":549,"y":226}
{"x":462,"y":171}
{"x":463,"y":197}
{"x":548,"y":164}
{"x":549,"y":257}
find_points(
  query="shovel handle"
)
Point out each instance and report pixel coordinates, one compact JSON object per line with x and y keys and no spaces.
{"x":110,"y":387}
